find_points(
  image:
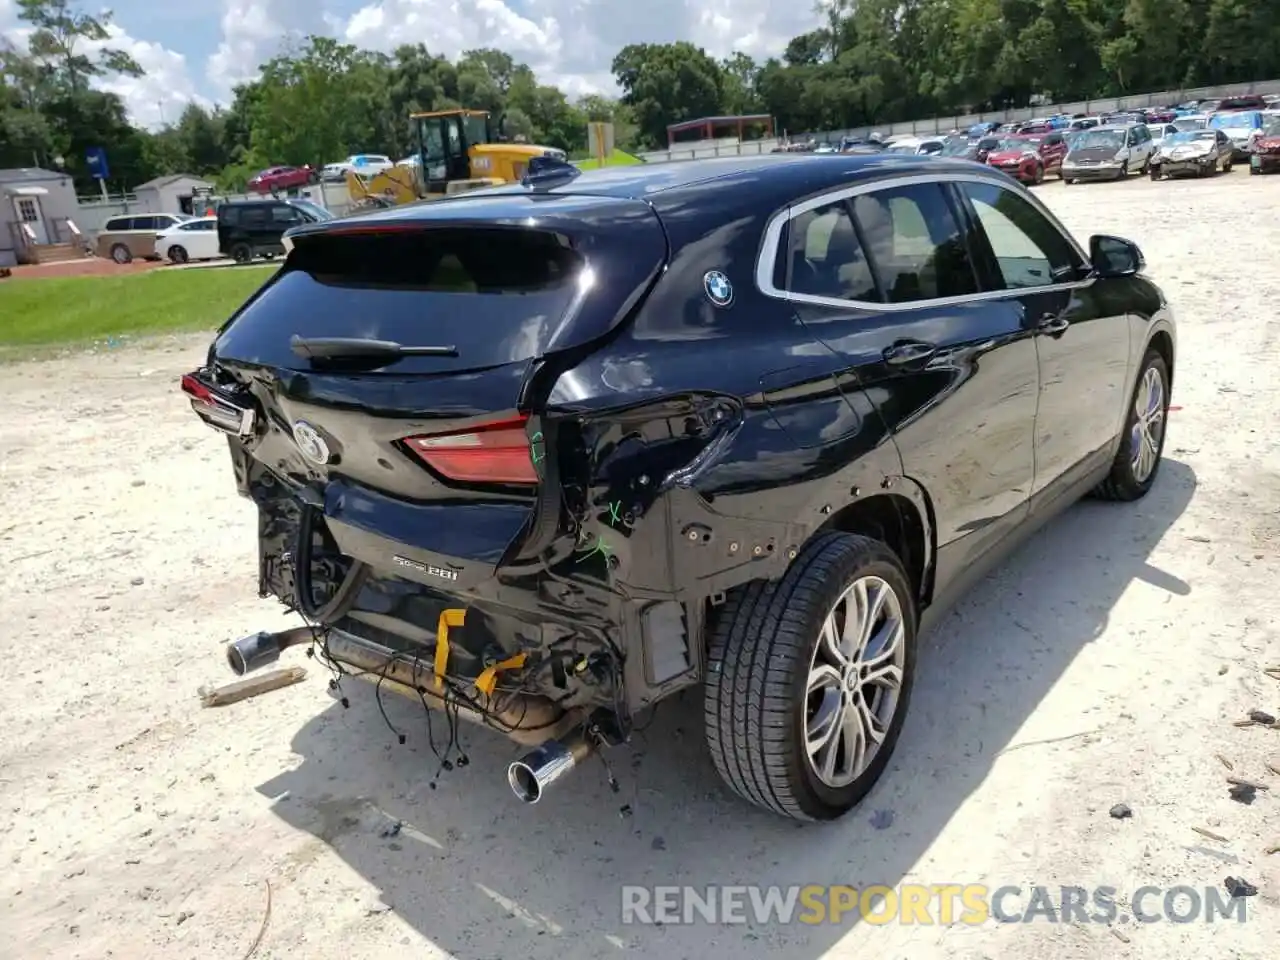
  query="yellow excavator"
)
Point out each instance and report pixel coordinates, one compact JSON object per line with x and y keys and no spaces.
{"x":456,"y":152}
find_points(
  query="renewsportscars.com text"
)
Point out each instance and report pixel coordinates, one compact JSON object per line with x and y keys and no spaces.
{"x":926,"y":904}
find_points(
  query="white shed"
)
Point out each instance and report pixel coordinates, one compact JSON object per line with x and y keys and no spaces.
{"x":170,"y":194}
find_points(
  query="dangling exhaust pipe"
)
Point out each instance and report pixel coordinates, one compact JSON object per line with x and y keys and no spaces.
{"x":263,"y":648}
{"x":538,"y":769}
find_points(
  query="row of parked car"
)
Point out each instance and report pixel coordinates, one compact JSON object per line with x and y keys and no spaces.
{"x":1164,"y":142}
{"x":284,"y":178}
{"x":243,"y":230}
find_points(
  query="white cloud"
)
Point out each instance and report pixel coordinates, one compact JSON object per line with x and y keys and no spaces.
{"x":156,"y":97}
{"x":164,"y":89}
{"x":253,"y":31}
{"x":570,"y":43}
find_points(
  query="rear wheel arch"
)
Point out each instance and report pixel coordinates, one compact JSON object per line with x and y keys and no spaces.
{"x":902,"y":521}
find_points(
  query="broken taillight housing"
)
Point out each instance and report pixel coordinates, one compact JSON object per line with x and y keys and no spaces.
{"x":495,"y":452}
{"x":216,"y":409}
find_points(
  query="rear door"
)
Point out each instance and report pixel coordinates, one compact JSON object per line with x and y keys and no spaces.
{"x":436,"y":462}
{"x":896,"y":292}
{"x":1082,"y":332}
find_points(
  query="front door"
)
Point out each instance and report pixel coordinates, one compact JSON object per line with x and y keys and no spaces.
{"x":29,"y":213}
{"x":886,"y":278}
{"x":1082,"y":331}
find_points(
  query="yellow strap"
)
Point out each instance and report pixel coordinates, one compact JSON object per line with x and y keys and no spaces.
{"x":488,"y":678}
{"x":451,"y":617}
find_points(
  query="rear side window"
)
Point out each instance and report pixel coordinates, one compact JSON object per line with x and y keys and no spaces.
{"x":118,"y":223}
{"x":825,"y":257}
{"x":916,"y":247}
{"x":144,"y":223}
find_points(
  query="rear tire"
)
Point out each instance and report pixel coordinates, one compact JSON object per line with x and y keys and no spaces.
{"x":121,"y":254}
{"x":773,"y":685}
{"x":242,"y":253}
{"x":1142,"y":444}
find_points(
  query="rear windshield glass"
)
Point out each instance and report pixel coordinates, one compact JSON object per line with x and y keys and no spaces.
{"x":496,"y":294}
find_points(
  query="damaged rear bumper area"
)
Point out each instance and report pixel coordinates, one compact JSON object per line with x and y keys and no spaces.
{"x":555,"y":651}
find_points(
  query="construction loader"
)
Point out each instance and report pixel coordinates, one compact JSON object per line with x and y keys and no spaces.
{"x":456,"y":152}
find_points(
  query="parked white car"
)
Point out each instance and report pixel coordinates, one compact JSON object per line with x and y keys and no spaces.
{"x":194,"y":240}
{"x":365,"y":164}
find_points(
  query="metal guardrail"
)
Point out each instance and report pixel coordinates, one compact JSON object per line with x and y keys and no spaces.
{"x":940,"y":125}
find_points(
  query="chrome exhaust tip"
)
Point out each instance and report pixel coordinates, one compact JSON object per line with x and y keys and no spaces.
{"x":252,"y":652}
{"x":263,"y":648}
{"x":532,"y":774}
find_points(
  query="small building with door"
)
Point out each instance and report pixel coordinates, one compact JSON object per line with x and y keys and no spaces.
{"x":37,"y":216}
{"x":172,"y":194}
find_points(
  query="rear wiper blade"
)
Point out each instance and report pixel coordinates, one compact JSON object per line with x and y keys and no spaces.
{"x":361,"y":348}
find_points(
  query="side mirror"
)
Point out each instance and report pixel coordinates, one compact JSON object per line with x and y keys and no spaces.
{"x":1115,"y":256}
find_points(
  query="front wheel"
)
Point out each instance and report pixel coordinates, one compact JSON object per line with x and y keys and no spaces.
{"x":1154,"y":173}
{"x":1142,"y":444}
{"x":808,"y":678}
{"x":1124,"y":171}
{"x":178,"y":254}
{"x":1227,"y":164}
{"x":1037,"y":178}
{"x":241,"y":253}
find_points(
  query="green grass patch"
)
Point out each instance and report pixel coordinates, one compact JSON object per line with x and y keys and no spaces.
{"x":49,"y":310}
{"x":616,"y":159}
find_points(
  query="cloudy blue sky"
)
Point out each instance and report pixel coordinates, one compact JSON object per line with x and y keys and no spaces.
{"x":198,"y":49}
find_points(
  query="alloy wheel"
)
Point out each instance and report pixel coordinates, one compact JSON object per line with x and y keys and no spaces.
{"x":855,"y":681}
{"x":1148,"y":426}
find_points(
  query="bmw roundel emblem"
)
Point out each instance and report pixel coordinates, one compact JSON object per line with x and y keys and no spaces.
{"x":310,"y":442}
{"x":719,"y":289}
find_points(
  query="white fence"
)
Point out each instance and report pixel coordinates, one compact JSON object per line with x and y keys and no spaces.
{"x":937,"y":125}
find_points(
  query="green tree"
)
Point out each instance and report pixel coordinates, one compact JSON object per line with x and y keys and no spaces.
{"x":59,"y":34}
{"x":665,"y":83}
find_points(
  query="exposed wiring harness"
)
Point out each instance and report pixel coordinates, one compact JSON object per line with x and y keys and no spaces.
{"x":344,"y":597}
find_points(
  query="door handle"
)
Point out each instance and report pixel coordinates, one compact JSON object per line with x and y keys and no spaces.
{"x":1052,"y":323}
{"x":908,"y":351}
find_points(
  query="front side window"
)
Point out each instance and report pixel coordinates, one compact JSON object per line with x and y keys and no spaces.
{"x":916,"y":247}
{"x":1029,"y":250}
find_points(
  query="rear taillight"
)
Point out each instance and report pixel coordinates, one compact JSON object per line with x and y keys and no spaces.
{"x":496,"y":452}
{"x":215,"y":409}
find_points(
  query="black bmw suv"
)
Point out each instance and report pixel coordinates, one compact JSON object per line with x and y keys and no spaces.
{"x":542,"y":455}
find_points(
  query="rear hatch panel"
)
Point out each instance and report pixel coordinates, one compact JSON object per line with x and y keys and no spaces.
{"x":513,"y":284}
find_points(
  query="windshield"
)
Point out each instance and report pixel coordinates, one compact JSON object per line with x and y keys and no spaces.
{"x":1273,"y":130}
{"x":1191,"y":123}
{"x":1234,"y":121}
{"x":317,"y":211}
{"x":1191,"y":136}
{"x":903,"y":148}
{"x":1098,"y":139}
{"x":1012,"y":143}
{"x":955,"y":147}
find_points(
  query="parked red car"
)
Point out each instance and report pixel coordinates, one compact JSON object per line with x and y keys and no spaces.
{"x":1266,"y":151}
{"x":283,"y":178}
{"x":1029,"y":158}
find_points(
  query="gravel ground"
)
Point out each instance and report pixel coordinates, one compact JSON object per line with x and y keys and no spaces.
{"x":1104,"y":664}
